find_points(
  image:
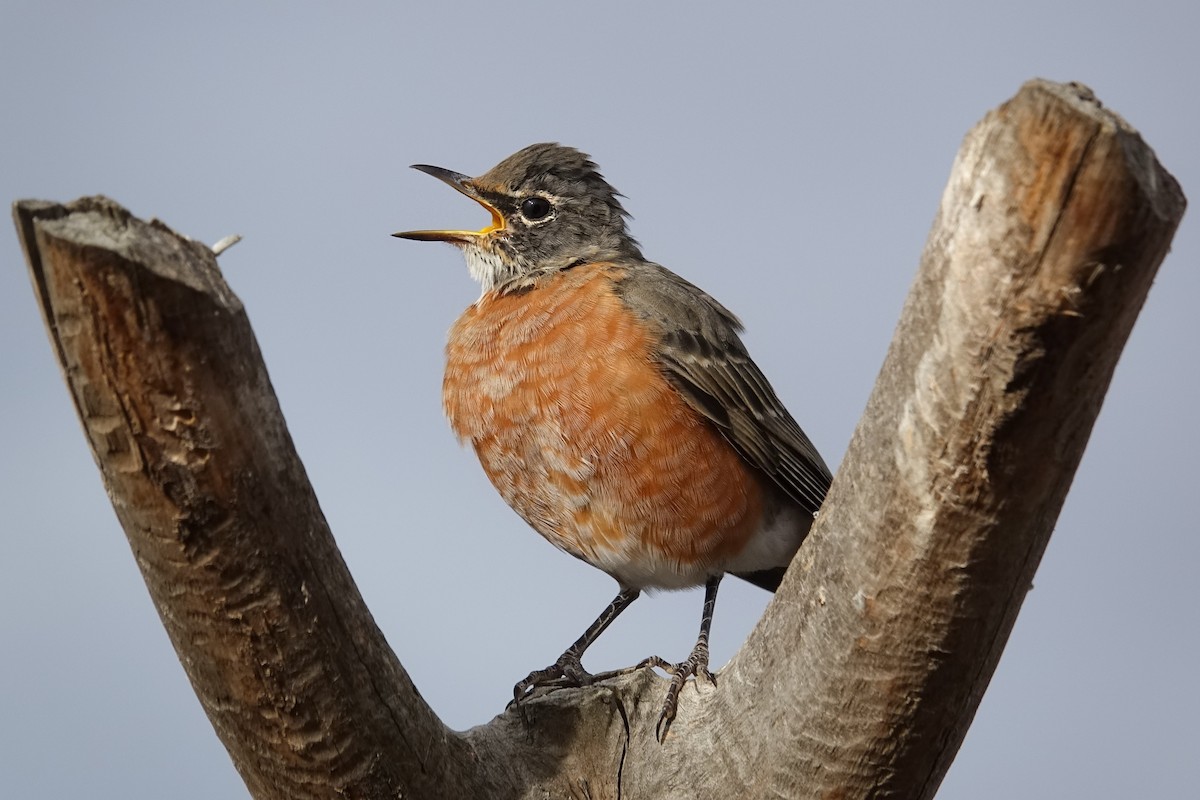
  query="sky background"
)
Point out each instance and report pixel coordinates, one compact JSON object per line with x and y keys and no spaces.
{"x":788,"y":160}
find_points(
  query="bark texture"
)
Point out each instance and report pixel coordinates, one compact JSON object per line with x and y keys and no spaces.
{"x":863,"y":675}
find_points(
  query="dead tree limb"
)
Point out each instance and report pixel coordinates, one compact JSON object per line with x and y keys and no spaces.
{"x":866,"y":670}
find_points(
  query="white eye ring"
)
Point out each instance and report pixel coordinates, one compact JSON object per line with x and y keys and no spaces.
{"x":536,"y":208}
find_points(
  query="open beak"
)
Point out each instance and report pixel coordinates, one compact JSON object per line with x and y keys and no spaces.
{"x":463,"y":184}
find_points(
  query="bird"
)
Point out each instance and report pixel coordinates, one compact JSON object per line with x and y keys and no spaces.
{"x":614,"y":406}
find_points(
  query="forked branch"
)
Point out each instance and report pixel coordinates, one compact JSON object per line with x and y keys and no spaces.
{"x":866,"y":670}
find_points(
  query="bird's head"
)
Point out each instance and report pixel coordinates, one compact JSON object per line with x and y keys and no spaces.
{"x":551,"y":210}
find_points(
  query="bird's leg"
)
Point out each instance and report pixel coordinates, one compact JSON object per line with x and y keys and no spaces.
{"x":568,"y":670}
{"x":695,"y":664}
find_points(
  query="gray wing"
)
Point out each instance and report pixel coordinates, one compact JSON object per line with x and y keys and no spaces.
{"x":704,"y":358}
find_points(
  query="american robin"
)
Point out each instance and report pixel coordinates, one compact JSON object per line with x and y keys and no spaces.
{"x":613,"y":405}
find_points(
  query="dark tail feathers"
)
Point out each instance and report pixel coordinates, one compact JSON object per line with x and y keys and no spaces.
{"x":765,"y":578}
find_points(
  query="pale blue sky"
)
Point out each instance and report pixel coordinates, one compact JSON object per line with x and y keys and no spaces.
{"x":788,"y":160}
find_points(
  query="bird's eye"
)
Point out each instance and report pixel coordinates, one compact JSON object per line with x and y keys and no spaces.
{"x":535,"y":208}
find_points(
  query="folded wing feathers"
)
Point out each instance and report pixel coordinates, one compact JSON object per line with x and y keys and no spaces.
{"x":733,"y":393}
{"x":704,"y":358}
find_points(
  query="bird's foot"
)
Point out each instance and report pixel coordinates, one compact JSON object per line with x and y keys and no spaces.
{"x":696,"y":664}
{"x":567,"y":672}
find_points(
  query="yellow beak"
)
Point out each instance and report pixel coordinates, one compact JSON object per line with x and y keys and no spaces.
{"x":463,"y":184}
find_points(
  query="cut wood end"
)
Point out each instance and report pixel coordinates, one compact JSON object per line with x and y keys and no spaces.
{"x":101,"y":224}
{"x":1063,"y":159}
{"x":1162,"y":192}
{"x":1078,"y":96}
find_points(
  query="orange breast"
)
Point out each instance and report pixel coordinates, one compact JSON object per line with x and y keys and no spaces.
{"x":557,"y":390}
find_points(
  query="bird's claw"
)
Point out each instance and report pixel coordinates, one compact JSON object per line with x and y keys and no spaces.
{"x":696,"y":664}
{"x":567,"y":672}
